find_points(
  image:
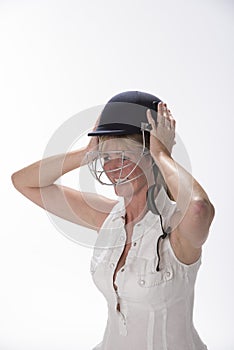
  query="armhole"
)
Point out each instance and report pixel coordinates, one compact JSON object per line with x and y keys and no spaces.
{"x":196,"y":264}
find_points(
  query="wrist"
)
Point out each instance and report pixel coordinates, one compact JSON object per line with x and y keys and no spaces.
{"x":161,"y":151}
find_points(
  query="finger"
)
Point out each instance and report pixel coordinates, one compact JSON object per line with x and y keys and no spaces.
{"x":166,"y":112}
{"x":160,"y":117}
{"x":150,"y":118}
{"x":167,"y":122}
{"x":173,"y":123}
{"x":164,"y":109}
{"x":172,"y":120}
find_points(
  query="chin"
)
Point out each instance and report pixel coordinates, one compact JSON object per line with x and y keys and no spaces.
{"x":124,"y":190}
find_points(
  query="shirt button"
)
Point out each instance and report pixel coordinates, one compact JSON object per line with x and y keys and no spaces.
{"x":168,"y":274}
{"x":142,"y":282}
{"x":112,"y":265}
{"x":122,"y":270}
{"x":134,"y":244}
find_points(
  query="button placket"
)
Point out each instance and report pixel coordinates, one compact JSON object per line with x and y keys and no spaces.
{"x":135,"y":239}
{"x":122,"y":325}
{"x":117,"y":252}
{"x":122,"y":320}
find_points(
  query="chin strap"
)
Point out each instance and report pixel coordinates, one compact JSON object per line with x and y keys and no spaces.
{"x":152,"y":207}
{"x":151,"y":202}
{"x":164,"y":235}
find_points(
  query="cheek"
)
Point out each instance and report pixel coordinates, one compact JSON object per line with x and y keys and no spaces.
{"x":111,"y":165}
{"x":115,"y":168}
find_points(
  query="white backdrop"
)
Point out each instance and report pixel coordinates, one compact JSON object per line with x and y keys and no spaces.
{"x":61,"y":57}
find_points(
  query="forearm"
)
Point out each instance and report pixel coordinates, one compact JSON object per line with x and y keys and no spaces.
{"x":46,"y":171}
{"x":181,"y":184}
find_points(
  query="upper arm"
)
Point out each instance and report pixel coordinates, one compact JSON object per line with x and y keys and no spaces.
{"x":85,"y":209}
{"x":193,"y":226}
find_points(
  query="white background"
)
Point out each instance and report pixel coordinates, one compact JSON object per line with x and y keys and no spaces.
{"x":61,"y":57}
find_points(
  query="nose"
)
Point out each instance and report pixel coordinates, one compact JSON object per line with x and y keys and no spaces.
{"x":113,"y":164}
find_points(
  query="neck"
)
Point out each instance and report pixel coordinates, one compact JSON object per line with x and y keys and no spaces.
{"x":136,"y":208}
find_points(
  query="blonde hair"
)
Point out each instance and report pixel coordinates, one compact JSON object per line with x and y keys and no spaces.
{"x":135,"y":137}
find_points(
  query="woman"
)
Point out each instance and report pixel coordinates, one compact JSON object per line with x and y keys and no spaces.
{"x":149,"y":244}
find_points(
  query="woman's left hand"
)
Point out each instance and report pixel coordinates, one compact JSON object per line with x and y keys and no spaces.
{"x":163,"y":134}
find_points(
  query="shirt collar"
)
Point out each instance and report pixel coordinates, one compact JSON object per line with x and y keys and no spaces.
{"x":164,"y":204}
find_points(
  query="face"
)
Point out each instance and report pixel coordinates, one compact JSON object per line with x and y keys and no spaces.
{"x":122,"y":160}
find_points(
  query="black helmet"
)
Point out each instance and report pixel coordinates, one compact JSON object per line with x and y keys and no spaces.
{"x":124,"y":113}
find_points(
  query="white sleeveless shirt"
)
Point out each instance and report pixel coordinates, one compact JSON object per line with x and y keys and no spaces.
{"x":156,"y":307}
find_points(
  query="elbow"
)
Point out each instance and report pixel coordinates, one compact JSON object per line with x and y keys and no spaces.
{"x":15,"y":180}
{"x":203,"y":208}
{"x":212,"y":211}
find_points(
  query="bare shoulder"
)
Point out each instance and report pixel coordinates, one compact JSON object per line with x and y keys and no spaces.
{"x":182,"y":248}
{"x":105,"y":206}
{"x":98,"y":207}
{"x":82,"y":208}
